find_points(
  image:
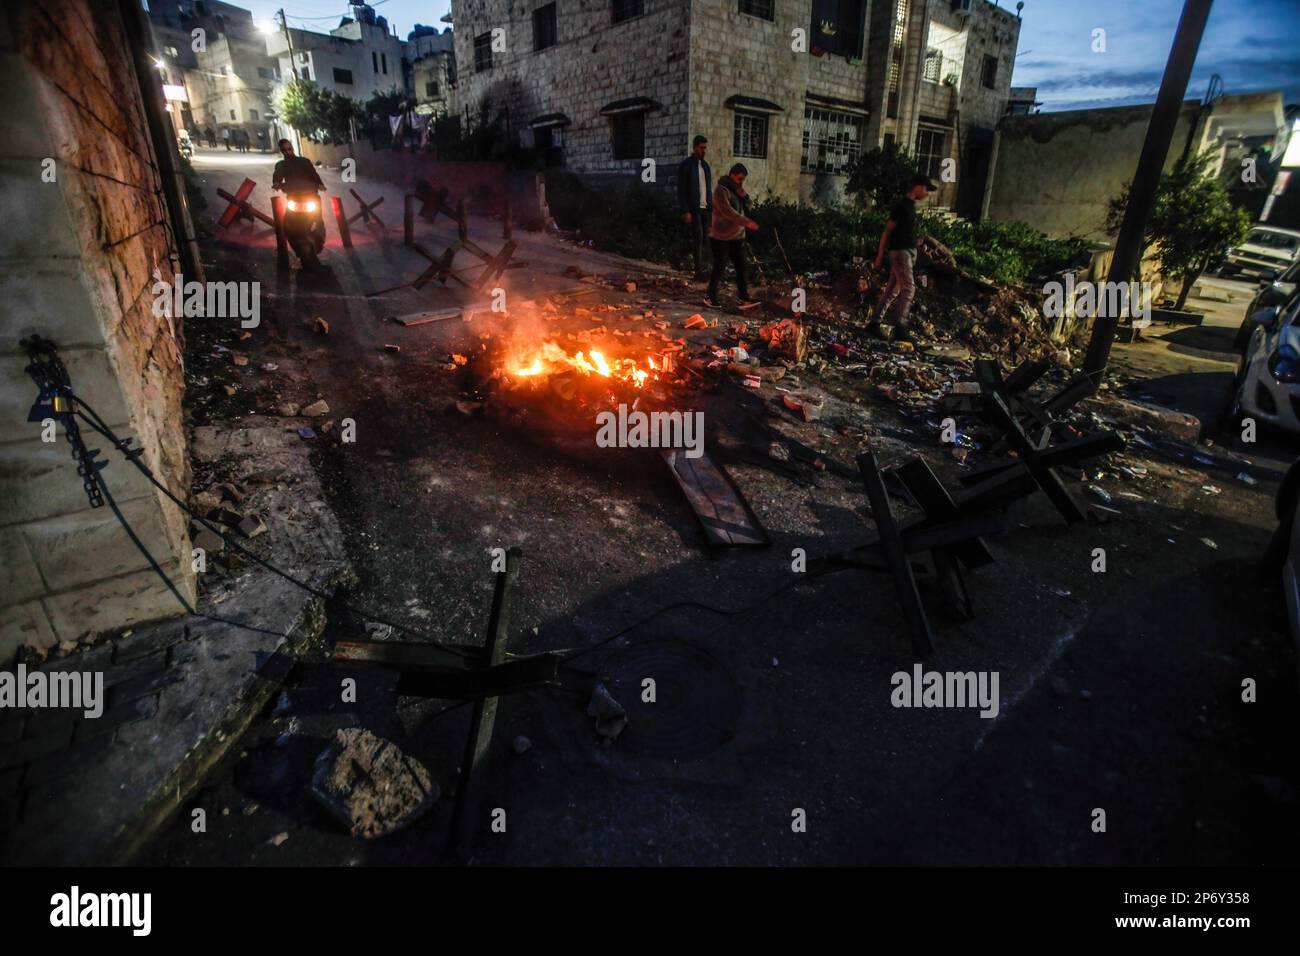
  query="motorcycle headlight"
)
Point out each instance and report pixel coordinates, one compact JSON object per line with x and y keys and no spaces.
{"x":309,"y":206}
{"x":1285,"y":365}
{"x":293,"y":205}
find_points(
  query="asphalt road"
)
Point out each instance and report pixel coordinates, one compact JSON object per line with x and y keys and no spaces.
{"x":1118,"y":690}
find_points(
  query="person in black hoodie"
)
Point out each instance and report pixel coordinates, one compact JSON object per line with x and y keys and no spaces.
{"x":695,"y":199}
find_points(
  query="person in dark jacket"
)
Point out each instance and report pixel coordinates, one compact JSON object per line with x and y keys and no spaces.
{"x":727,"y":235}
{"x":900,"y":239}
{"x":695,"y":199}
{"x":211,"y":137}
{"x":294,"y":173}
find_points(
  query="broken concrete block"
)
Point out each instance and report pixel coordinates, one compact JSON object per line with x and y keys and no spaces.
{"x":205,"y":502}
{"x":287,"y":409}
{"x":369,"y":785}
{"x":211,"y":543}
{"x":610,"y":716}
{"x":316,"y":409}
{"x":252,"y":526}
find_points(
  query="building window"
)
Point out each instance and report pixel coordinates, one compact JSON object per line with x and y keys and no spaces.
{"x":544,"y":29}
{"x":831,"y":140}
{"x":629,"y":135}
{"x":750,"y":135}
{"x":303,"y":74}
{"x":252,"y":115}
{"x":933,"y":65}
{"x":990,"y":72}
{"x":837,"y":26}
{"x":763,"y":9}
{"x":626,"y":10}
{"x":374,"y":60}
{"x":232,"y":115}
{"x":930,"y":150}
{"x":431,"y":88}
{"x":383,"y":63}
{"x":896,"y":58}
{"x":342,"y":76}
{"x":483,"y":53}
{"x":264,"y":74}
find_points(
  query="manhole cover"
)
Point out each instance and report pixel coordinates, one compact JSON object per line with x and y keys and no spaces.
{"x":697,"y":703}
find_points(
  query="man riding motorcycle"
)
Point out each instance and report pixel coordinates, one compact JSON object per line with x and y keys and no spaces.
{"x":304,"y":221}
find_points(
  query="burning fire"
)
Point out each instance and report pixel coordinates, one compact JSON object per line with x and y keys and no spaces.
{"x":550,"y":359}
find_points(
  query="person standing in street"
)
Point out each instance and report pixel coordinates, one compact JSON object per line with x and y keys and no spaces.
{"x":727,"y":235}
{"x":211,"y":138}
{"x":900,"y":239}
{"x":225,"y":137}
{"x":695,"y":200}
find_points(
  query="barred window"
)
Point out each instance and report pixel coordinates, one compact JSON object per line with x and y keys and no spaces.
{"x":831,"y":140}
{"x":763,"y":9}
{"x":933,"y":65}
{"x":930,"y":151}
{"x":750,"y":136}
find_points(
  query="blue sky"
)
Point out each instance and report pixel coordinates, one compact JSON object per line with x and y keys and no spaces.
{"x":1252,"y":44}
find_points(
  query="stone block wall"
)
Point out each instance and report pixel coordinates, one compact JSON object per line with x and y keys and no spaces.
{"x":77,"y":257}
{"x":736,"y":54}
{"x":594,"y":63}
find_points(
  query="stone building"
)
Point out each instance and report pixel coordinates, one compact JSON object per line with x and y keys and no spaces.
{"x":432,"y":56}
{"x":358,"y":58}
{"x":794,"y":89}
{"x":79,"y":159}
{"x":228,"y":80}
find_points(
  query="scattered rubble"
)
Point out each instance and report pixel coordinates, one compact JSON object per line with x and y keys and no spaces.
{"x":369,"y":785}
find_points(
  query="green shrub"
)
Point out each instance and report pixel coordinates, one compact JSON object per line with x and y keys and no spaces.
{"x":642,"y":222}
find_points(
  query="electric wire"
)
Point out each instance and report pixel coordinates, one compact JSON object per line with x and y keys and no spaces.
{"x":567,"y":656}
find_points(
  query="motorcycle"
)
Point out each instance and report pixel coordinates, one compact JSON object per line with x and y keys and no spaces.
{"x":304,"y":226}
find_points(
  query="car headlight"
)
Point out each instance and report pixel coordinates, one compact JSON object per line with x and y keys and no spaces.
{"x":1285,"y":364}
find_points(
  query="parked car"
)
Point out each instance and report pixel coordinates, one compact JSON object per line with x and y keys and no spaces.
{"x":1283,"y":555}
{"x":1268,"y":378}
{"x":1275,"y":292}
{"x":1267,"y":250}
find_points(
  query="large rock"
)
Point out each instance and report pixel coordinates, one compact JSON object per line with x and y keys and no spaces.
{"x":369,"y":785}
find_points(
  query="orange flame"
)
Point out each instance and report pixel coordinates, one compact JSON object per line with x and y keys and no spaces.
{"x":549,"y":358}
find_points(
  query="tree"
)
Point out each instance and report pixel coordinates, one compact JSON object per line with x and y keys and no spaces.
{"x":323,"y":116}
{"x":882,"y":174}
{"x":388,"y":103}
{"x":1193,"y":222}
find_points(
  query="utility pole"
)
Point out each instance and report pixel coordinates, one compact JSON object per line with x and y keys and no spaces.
{"x":293,"y":71}
{"x":1142,"y":194}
